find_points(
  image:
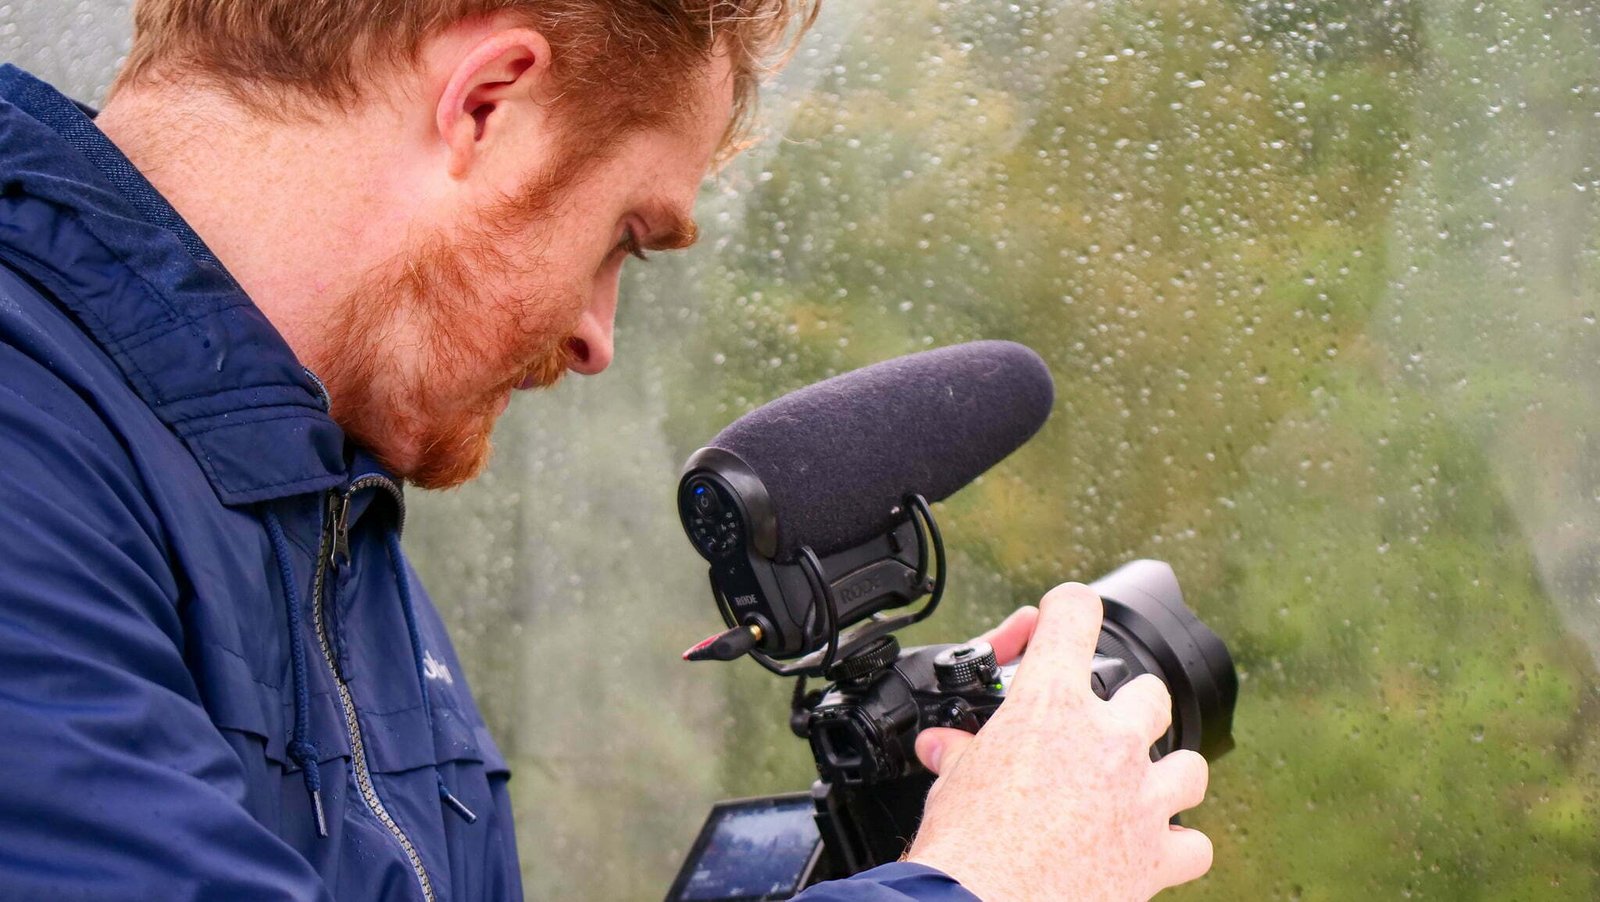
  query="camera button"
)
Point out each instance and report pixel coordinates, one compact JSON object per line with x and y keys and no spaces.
{"x":957,"y":713}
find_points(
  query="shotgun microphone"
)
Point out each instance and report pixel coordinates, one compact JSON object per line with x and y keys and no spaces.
{"x":810,"y":498}
{"x":813,"y":512}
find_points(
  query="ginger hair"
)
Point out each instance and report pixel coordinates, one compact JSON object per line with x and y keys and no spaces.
{"x":617,"y":64}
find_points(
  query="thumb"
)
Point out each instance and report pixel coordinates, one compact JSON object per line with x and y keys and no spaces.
{"x":939,"y":748}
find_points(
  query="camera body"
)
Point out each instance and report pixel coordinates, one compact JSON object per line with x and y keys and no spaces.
{"x":863,"y":728}
{"x":830,"y":614}
{"x":867,"y":801}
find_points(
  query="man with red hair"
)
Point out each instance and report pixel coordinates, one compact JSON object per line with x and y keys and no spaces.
{"x":305,"y":255}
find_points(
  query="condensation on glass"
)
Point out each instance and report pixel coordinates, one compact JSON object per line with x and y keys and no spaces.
{"x":73,"y":44}
{"x":1318,"y":284}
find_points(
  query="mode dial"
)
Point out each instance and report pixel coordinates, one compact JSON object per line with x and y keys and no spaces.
{"x":870,"y":660}
{"x":969,"y":666}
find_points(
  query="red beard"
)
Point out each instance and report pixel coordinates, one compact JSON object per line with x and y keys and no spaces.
{"x":427,"y":412}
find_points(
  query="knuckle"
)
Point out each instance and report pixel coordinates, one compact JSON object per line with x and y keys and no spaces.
{"x":1188,"y":759}
{"x":1144,"y":700}
{"x":1150,"y":685}
{"x":1188,"y":778}
{"x":1191,"y":766}
{"x":1127,"y":736}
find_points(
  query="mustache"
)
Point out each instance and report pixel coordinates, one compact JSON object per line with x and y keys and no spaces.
{"x":550,"y":367}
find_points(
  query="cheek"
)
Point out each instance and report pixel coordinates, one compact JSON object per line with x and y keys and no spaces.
{"x":559,"y":309}
{"x":523,"y":315}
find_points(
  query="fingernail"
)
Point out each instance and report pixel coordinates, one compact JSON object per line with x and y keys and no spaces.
{"x":935,"y":755}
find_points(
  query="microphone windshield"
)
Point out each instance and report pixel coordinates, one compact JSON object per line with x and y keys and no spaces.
{"x":838,"y":458}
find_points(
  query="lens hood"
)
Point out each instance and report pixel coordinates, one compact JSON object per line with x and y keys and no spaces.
{"x":1146,"y":616}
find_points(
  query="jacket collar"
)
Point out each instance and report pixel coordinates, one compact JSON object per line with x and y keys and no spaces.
{"x":76,"y":216}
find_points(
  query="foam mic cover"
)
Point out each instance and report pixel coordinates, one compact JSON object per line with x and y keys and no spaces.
{"x":838,"y":458}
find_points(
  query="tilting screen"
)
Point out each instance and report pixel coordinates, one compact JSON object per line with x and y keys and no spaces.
{"x":749,"y":851}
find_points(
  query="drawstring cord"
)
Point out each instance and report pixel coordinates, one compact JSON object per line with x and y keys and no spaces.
{"x":302,"y":751}
{"x":399,"y":564}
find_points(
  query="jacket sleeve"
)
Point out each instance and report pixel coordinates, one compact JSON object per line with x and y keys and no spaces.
{"x":114,"y":784}
{"x":900,"y":882}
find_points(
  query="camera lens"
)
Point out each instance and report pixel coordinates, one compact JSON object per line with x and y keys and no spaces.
{"x":1148,"y":626}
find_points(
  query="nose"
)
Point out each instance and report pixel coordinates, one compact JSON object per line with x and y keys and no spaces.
{"x":591,"y":345}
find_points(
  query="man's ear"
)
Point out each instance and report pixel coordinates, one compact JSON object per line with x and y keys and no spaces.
{"x":497,"y":75}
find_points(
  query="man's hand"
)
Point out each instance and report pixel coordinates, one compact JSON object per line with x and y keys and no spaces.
{"x":1056,"y":798}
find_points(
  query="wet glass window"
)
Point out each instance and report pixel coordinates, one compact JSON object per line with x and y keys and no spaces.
{"x":1318,"y":285}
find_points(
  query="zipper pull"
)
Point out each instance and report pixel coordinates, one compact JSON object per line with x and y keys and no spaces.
{"x":339,"y":508}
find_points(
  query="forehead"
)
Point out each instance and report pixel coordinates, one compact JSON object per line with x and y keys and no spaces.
{"x":708,"y":111}
{"x":670,"y":162}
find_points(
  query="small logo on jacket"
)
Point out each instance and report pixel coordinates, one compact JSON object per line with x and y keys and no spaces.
{"x":435,"y":669}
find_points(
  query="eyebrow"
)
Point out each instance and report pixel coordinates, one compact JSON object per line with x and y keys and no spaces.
{"x":679,"y":232}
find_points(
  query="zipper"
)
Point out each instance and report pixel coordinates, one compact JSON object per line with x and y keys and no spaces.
{"x":378,"y":482}
{"x":335,"y":554}
{"x":322,"y":390}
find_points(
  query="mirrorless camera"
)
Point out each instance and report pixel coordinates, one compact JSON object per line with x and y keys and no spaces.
{"x":809,"y":615}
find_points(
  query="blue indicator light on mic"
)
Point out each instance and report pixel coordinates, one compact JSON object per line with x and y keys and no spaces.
{"x":699,"y":490}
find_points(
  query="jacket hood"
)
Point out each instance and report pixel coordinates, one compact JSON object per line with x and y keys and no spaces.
{"x":78,"y":218}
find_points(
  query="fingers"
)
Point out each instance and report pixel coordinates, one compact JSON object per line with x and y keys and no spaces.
{"x":1062,"y":644}
{"x":938,"y":748}
{"x":1010,"y":638}
{"x":1187,"y":856}
{"x":1178,"y":781}
{"x":1145,"y":702}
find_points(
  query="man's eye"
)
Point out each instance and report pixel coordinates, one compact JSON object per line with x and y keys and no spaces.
{"x":630,"y":243}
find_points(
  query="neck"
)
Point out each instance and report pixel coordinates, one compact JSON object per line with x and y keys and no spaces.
{"x":260,"y":193}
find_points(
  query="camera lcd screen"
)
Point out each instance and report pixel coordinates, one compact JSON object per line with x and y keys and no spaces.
{"x":749,"y":851}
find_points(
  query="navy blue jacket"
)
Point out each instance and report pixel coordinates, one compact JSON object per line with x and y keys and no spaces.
{"x":219,"y":678}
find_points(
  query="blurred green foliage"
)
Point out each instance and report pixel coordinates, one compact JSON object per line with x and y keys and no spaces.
{"x":1199,"y":213}
{"x":1317,"y":283}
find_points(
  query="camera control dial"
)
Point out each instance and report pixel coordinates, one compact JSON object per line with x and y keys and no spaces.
{"x":958,"y":714}
{"x":964,"y":667}
{"x":869,"y":661}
